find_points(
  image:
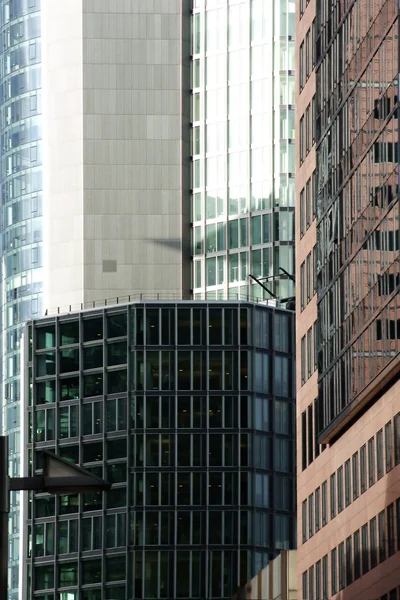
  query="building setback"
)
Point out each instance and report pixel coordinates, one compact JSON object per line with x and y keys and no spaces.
{"x":187,"y":408}
{"x":347,"y":267}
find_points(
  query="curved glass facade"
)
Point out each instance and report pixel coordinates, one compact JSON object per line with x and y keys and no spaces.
{"x":188,"y":409}
{"x":21,"y":214}
{"x":243,"y":146}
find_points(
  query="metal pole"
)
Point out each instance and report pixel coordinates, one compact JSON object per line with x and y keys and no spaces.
{"x":4,"y":509}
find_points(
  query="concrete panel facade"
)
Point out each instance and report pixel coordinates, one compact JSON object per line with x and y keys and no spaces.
{"x":129,"y":148}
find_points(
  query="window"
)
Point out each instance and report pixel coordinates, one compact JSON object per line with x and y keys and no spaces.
{"x":340,"y":489}
{"x":333,"y":572}
{"x":303,"y":359}
{"x":318,"y":580}
{"x":311,"y":515}
{"x":349,"y":561}
{"x":364,"y":550}
{"x":311,"y":583}
{"x":379,"y":454}
{"x":390,"y":529}
{"x":382,"y":536}
{"x":324,"y":503}
{"x":397,"y":439}
{"x":347,"y":484}
{"x":305,"y":585}
{"x":398,"y":522}
{"x":357,"y":554}
{"x":372,"y":541}
{"x":304,"y":520}
{"x":341,"y":568}
{"x":310,"y":434}
{"x":302,"y":289}
{"x":333,"y":496}
{"x":304,"y":440}
{"x":325,"y":577}
{"x":317,"y":509}
{"x":389,"y":446}
{"x":371,"y":461}
{"x":355,"y":475}
{"x":363,"y":468}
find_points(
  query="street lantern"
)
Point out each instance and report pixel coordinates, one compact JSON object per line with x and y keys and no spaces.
{"x":59,"y":477}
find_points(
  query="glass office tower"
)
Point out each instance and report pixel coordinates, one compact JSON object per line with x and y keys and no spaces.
{"x":243,"y":146}
{"x":21,"y":215}
{"x":188,"y":409}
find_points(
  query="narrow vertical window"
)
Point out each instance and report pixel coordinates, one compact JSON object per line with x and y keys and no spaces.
{"x":347,"y":483}
{"x":318,"y":580}
{"x":317,"y":509}
{"x":382,"y":536}
{"x":390,"y":528}
{"x":389,"y":446}
{"x":371,"y":461}
{"x":364,"y":549}
{"x":333,"y":495}
{"x":397,"y":439}
{"x":341,"y":569}
{"x":325,"y":577}
{"x":305,"y":585}
{"x":379,"y":454}
{"x":304,"y":440}
{"x":311,"y":515}
{"x":349,"y":561}
{"x":372,"y":542}
{"x":340,"y":489}
{"x":355,"y":475}
{"x":324,"y":503}
{"x":363,"y":468}
{"x":304,"y":520}
{"x":357,"y":554}
{"x":333,"y":572}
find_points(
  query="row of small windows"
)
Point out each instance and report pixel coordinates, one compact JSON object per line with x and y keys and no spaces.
{"x":183,"y":450}
{"x":360,"y":552}
{"x":183,"y":488}
{"x":366,"y":466}
{"x":307,"y":131}
{"x":161,"y":412}
{"x":309,"y":353}
{"x":306,"y":56}
{"x":307,"y":204}
{"x":308,"y":280}
{"x":151,"y":327}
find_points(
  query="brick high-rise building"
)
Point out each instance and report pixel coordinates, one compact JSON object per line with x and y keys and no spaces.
{"x":348,"y":276}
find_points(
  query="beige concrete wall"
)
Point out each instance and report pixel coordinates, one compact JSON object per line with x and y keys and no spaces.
{"x":117,"y":190}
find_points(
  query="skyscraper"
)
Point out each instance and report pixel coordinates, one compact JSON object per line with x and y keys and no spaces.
{"x":102,"y":179}
{"x":243,"y":146}
{"x":99,"y":94}
{"x":188,"y":409}
{"x":347,"y":235}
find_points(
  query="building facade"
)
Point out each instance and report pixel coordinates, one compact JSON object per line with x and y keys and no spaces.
{"x":348,"y":246}
{"x":21,"y":220}
{"x":243,"y":147}
{"x":277,"y":581}
{"x":188,"y":409}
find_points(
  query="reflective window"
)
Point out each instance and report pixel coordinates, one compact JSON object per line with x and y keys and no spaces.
{"x":69,"y":360}
{"x":46,"y":337}
{"x":69,"y":332}
{"x":93,"y":356}
{"x":116,"y":325}
{"x":92,"y":329}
